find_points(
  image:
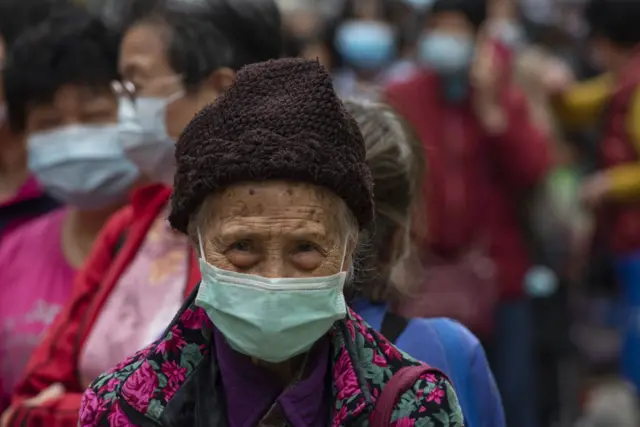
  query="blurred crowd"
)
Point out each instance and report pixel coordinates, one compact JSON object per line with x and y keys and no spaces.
{"x":503,"y":143}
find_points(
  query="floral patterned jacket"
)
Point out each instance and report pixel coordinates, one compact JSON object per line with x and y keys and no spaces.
{"x":172,"y":383}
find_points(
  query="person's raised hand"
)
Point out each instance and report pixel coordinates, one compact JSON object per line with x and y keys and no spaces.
{"x":484,"y":74}
{"x":595,"y":189}
{"x":556,"y":76}
{"x":485,"y":79}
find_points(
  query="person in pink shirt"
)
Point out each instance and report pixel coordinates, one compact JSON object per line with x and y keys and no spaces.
{"x":58,"y":80}
{"x":21,"y":198}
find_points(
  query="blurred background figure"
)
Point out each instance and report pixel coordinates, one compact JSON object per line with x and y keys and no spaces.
{"x":612,"y":191}
{"x":57,"y":80}
{"x":367,"y":48}
{"x":395,"y":158}
{"x":21,"y":197}
{"x":484,"y":153}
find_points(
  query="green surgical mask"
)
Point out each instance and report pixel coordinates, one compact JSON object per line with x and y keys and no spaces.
{"x":271,"y":319}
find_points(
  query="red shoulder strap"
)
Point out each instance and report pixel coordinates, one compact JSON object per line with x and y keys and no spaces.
{"x":399,"y":383}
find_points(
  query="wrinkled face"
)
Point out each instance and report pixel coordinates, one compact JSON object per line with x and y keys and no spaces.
{"x":73,"y":105}
{"x":277,"y":229}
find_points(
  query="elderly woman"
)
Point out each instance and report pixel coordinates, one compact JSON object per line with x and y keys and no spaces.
{"x":272,"y":188}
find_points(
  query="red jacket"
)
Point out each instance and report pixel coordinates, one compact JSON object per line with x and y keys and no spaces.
{"x":473,"y":181}
{"x":620,"y":221}
{"x":56,"y":359}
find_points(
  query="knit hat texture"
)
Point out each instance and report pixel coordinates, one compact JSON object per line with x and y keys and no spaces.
{"x":280,"y":119}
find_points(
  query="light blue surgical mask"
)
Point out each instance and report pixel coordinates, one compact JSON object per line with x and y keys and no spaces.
{"x":446,"y":54}
{"x":82,"y":165}
{"x":144,"y":136}
{"x":419,"y":5}
{"x":366,"y":45}
{"x":271,"y":319}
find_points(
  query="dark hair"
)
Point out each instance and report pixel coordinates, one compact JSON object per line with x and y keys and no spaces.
{"x":205,"y":35}
{"x":474,"y":10}
{"x":18,"y":15}
{"x":616,"y":20}
{"x":396,"y":168}
{"x":71,"y":47}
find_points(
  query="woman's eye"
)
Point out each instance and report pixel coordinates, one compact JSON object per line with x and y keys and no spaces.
{"x":242,"y":246}
{"x":307,"y":247}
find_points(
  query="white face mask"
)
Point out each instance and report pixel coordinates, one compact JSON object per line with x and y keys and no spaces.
{"x":271,"y":319}
{"x":144,"y":136}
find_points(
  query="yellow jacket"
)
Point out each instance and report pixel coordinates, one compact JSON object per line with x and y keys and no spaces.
{"x":583,"y":105}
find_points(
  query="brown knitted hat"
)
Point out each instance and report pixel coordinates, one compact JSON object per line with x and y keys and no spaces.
{"x":280,"y":119}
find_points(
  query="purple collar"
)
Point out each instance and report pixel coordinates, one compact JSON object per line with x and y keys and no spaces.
{"x":251,"y":391}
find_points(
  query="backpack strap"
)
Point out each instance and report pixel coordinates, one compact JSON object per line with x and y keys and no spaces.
{"x":448,"y":332}
{"x":399,"y":383}
{"x":393,"y":326}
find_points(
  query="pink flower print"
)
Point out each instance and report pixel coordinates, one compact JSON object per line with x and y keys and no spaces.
{"x":174,"y":372}
{"x":430,"y":378}
{"x":404,"y":422}
{"x":173,"y":344}
{"x":351,"y":329}
{"x":365,"y":332}
{"x":122,"y":364}
{"x":195,"y":319}
{"x":117,"y":417}
{"x":340,"y":416}
{"x":111,"y":385}
{"x":90,"y":409}
{"x":378,"y":360}
{"x":140,"y":387}
{"x":389,"y":350}
{"x":170,"y":390}
{"x":355,"y":316}
{"x":436,"y":395}
{"x":345,"y":377}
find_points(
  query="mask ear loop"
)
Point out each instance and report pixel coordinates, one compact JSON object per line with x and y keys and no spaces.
{"x":200,"y":245}
{"x":344,"y":254}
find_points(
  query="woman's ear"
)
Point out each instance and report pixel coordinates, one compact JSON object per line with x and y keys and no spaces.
{"x":214,"y":85}
{"x":221,"y":78}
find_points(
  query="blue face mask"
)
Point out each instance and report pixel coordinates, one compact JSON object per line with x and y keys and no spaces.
{"x":270,"y":319}
{"x":83,"y":166}
{"x":144,"y":136}
{"x":366,"y":45}
{"x":445,"y":53}
{"x":419,"y":5}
